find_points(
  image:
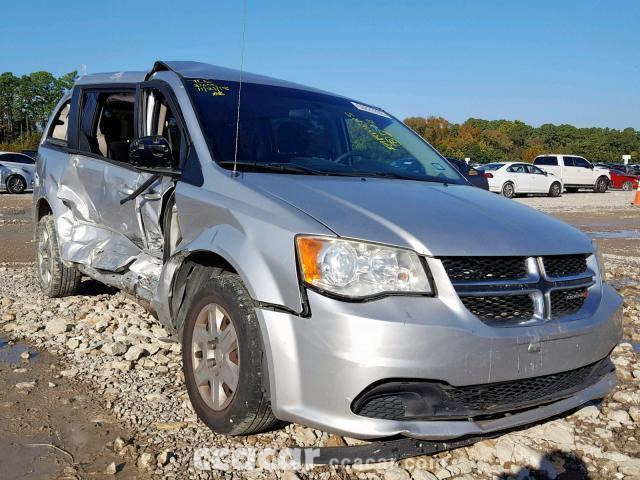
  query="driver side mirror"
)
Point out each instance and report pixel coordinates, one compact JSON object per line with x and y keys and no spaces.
{"x":151,"y":153}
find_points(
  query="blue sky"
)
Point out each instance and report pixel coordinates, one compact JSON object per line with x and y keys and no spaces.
{"x":541,"y":62}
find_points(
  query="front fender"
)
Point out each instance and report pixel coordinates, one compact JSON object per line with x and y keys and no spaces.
{"x":255,"y":240}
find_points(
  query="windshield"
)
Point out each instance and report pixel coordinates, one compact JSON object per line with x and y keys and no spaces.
{"x":285,"y":130}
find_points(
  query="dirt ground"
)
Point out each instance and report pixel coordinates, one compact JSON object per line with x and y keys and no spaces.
{"x":59,"y":427}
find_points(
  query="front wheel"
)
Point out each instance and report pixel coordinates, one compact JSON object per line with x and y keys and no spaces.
{"x":601,"y":185}
{"x":16,"y":184}
{"x":55,"y":278}
{"x":508,"y":190}
{"x":628,"y":186}
{"x":555,"y":189}
{"x":223,"y":357}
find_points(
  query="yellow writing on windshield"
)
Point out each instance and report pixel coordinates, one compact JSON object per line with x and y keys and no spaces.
{"x":385,"y":139}
{"x":207,"y":86}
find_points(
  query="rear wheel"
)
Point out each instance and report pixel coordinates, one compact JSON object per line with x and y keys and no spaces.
{"x":55,"y":278}
{"x":223,"y":357}
{"x":508,"y":190}
{"x":555,"y":189}
{"x":601,"y":185}
{"x":627,"y":186}
{"x":16,"y":184}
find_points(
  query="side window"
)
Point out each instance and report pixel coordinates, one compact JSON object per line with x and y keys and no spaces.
{"x":20,"y":159}
{"x":580,"y":162}
{"x":535,"y":170}
{"x":546,"y":161}
{"x":516,"y":169}
{"x":568,"y":162}
{"x":58,"y":131}
{"x":161,"y":120}
{"x":107,"y":124}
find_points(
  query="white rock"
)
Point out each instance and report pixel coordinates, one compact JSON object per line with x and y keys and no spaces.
{"x":482,"y":451}
{"x":588,"y":413}
{"x":504,"y":450}
{"x":57,"y":326}
{"x":145,"y":461}
{"x":123,"y":366}
{"x":443,"y":473}
{"x":111,"y":469}
{"x":25,"y":385}
{"x":396,"y":473}
{"x":73,"y":343}
{"x":69,"y":373}
{"x":304,"y":436}
{"x":559,"y":432}
{"x":630,"y":467}
{"x":528,"y":456}
{"x":629,"y":398}
{"x":134,"y":353}
{"x":290,"y":475}
{"x":634,"y":413}
{"x":115,"y":348}
{"x":619,"y":416}
{"x":423,"y":475}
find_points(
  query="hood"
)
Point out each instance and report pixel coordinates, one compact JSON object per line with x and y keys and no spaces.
{"x":430,"y":218}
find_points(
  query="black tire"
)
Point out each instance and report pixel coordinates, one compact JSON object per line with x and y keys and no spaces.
{"x":627,"y":186}
{"x":601,"y":186}
{"x":555,"y":189}
{"x":249,"y":409}
{"x":16,"y":184}
{"x":571,"y":189}
{"x":508,"y":190}
{"x":55,"y":278}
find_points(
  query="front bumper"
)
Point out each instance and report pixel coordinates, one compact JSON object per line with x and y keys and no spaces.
{"x":319,"y":365}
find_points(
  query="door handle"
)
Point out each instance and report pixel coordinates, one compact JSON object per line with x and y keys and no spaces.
{"x":152,"y":196}
{"x":126,"y":191}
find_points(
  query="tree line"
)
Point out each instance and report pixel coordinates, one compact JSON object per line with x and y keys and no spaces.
{"x":512,"y":140}
{"x":25,"y":104}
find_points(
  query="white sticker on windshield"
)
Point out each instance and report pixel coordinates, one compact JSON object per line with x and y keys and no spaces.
{"x":366,"y":108}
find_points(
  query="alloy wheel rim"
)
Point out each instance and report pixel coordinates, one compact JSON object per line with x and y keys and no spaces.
{"x":627,"y":186}
{"x":555,"y":189}
{"x":215,"y":355}
{"x":15,"y":185}
{"x":44,"y":258}
{"x":508,"y":190}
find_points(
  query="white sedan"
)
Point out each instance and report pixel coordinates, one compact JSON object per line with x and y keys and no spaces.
{"x":514,"y":178}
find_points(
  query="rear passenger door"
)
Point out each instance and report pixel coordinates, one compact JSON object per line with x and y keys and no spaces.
{"x":519,"y":174}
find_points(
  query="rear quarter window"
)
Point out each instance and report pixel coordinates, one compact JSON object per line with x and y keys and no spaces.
{"x":59,"y":126}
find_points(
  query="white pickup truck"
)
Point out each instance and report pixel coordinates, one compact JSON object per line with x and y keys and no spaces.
{"x":575,"y":172}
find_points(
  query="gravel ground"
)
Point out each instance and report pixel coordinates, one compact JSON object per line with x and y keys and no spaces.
{"x":112,"y":347}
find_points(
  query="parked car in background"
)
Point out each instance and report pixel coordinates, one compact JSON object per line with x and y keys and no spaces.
{"x":515,"y":178}
{"x":16,"y":172}
{"x":575,"y":172}
{"x":472,"y":174}
{"x":623,"y":180}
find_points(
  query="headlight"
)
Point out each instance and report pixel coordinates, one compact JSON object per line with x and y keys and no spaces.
{"x":359,"y":269}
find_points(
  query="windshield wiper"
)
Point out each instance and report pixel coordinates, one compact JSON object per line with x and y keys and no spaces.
{"x":273,"y":167}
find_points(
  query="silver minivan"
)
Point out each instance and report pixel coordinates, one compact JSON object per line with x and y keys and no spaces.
{"x":319,"y":261}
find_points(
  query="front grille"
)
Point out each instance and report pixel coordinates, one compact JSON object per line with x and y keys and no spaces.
{"x":567,"y":302}
{"x":422,"y":399}
{"x":526,"y":391}
{"x":565,"y":265}
{"x":484,"y":268}
{"x":500,"y":308}
{"x":492,"y":288}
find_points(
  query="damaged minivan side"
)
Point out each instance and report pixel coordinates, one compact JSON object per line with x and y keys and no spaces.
{"x":319,"y":261}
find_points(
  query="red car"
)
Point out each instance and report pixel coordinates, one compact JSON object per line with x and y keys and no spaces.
{"x":623,"y":180}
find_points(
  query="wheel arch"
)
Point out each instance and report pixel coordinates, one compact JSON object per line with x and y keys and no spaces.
{"x":42,"y":209}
